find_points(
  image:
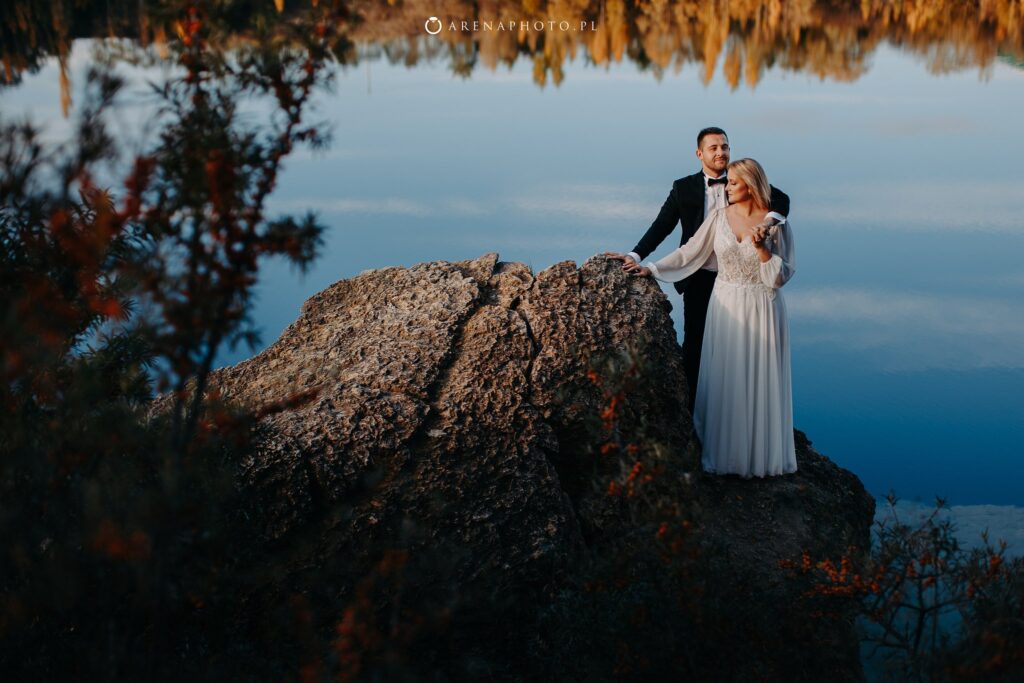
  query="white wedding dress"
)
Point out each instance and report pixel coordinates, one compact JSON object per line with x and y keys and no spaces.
{"x":744,"y":408}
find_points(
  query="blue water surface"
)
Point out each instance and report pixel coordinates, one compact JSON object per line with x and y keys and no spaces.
{"x":907,"y":189}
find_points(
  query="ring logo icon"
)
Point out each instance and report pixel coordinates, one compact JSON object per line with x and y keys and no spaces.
{"x":433,"y":26}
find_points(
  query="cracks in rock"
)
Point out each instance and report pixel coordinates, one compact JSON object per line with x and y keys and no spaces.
{"x":535,"y":345}
{"x":418,"y":441}
{"x":554,"y":457}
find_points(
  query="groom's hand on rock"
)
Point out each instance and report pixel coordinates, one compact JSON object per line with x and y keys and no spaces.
{"x":634,"y":268}
{"x":628,"y":264}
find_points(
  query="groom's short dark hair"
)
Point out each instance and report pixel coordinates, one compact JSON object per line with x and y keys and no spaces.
{"x":710,"y":130}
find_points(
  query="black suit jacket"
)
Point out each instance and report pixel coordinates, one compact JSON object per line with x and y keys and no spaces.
{"x":685,"y":204}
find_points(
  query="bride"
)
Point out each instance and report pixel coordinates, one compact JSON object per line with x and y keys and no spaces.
{"x":743,"y":412}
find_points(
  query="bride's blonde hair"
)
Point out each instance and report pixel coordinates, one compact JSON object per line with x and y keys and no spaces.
{"x":751,"y":173}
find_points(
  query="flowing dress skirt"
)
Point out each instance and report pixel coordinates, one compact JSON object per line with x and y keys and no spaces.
{"x":744,"y":407}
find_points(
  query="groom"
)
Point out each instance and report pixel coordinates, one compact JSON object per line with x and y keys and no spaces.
{"x":689,"y":202}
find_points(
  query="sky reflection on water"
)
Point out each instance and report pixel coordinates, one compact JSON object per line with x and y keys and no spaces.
{"x":906,"y":308}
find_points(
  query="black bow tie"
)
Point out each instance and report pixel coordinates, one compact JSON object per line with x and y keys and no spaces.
{"x":717,"y":181}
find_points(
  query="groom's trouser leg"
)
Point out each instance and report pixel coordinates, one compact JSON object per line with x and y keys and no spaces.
{"x":695,"y":312}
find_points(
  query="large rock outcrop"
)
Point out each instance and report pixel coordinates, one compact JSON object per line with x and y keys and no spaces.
{"x":455,"y":415}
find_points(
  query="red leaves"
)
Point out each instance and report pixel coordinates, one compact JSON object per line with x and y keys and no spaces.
{"x":994,"y":563}
{"x":108,"y":308}
{"x":360,"y":635}
{"x":112,"y":542}
{"x":221,"y":181}
{"x":610,"y":411}
{"x":135,"y":185}
{"x":189,"y":26}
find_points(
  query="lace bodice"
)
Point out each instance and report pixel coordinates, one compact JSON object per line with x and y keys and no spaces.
{"x":738,"y":262}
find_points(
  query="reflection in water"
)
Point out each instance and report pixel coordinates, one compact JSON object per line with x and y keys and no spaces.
{"x":832,"y":40}
{"x":32,"y":32}
{"x":966,"y":333}
{"x":828,"y":39}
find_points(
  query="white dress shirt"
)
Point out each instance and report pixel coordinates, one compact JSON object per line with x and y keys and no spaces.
{"x":714,"y":198}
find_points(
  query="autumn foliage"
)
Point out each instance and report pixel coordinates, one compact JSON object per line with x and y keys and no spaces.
{"x":129,"y":553}
{"x":125,"y":541}
{"x":930,"y":609}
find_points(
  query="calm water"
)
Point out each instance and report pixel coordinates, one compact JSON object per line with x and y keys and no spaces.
{"x":908,"y":196}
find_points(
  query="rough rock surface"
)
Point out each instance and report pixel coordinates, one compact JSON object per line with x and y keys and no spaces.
{"x":468,"y":376}
{"x":458,"y":393}
{"x":753,"y":525}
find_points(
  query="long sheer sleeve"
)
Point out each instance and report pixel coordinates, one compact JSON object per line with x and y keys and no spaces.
{"x":777,"y":270}
{"x":688,"y":258}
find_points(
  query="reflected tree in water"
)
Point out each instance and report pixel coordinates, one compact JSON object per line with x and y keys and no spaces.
{"x":739,"y":39}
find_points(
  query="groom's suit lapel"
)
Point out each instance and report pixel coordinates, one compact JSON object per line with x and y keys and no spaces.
{"x":693,"y":188}
{"x":691,"y":196}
